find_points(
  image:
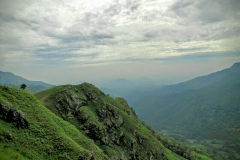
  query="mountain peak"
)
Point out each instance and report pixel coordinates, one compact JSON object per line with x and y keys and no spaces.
{"x":237,"y":64}
{"x":121,"y":79}
{"x":2,"y":72}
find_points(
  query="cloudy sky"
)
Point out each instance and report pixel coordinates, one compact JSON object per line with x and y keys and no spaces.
{"x":65,"y":41}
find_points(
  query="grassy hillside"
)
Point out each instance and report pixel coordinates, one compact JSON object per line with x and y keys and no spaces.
{"x":110,"y":123}
{"x":46,"y":137}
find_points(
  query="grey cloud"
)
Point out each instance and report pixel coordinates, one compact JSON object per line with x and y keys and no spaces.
{"x":31,"y":24}
{"x":220,"y":33}
{"x":57,"y":56}
{"x":206,"y":11}
{"x":96,"y":35}
{"x":191,"y":50}
{"x":214,"y":19}
{"x":132,"y":5}
{"x":207,"y":55}
{"x":128,"y":8}
{"x":12,"y":6}
{"x":57,"y":53}
{"x":67,"y":42}
{"x":78,"y":38}
{"x":159,"y":33}
{"x":90,"y":55}
{"x":171,"y":34}
{"x":67,"y":38}
{"x":96,"y":20}
{"x":113,"y":9}
{"x":120,"y":22}
{"x":48,"y":49}
{"x":198,"y":55}
{"x":179,"y":7}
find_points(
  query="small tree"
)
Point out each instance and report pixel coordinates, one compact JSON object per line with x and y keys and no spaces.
{"x":23,"y":86}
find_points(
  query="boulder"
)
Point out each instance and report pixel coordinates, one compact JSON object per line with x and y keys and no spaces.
{"x":86,"y":156}
{"x":120,"y":120}
{"x":13,"y":116}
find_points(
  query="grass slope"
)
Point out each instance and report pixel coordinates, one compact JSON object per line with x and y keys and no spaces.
{"x":48,"y":136}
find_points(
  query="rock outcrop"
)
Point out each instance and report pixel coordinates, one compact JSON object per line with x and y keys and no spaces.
{"x":14,"y":116}
{"x":111,"y":123}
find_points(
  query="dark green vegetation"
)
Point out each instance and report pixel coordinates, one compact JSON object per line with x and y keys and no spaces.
{"x":111,"y":123}
{"x":23,"y":86}
{"x":11,"y":80}
{"x":28,"y":130}
{"x":100,"y":127}
{"x":205,"y":110}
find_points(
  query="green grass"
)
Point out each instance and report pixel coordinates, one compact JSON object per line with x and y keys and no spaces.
{"x":45,"y":93}
{"x":48,"y":136}
{"x":7,"y":153}
{"x":51,"y":137}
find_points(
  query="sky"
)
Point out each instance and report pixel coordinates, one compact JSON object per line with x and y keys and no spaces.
{"x":66,"y":41}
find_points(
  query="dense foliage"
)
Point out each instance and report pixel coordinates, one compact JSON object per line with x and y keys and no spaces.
{"x":100,"y":128}
{"x":46,"y":137}
{"x":111,"y":123}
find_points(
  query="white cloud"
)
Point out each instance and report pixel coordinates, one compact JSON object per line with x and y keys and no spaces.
{"x":81,"y":32}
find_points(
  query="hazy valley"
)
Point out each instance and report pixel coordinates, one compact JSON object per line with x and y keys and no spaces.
{"x":204,"y":110}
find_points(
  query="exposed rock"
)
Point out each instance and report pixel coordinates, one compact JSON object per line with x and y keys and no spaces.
{"x":86,"y":156}
{"x":6,"y":88}
{"x":14,"y":116}
{"x":108,"y":123}
{"x":9,"y":136}
{"x":5,"y":137}
{"x":120,"y":120}
{"x":70,"y":103}
{"x":91,"y":96}
{"x":105,"y":140}
{"x":102,"y":113}
{"x":4,"y":111}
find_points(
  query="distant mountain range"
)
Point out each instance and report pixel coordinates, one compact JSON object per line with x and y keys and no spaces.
{"x":10,"y":79}
{"x":127,"y":88}
{"x":204,"y":108}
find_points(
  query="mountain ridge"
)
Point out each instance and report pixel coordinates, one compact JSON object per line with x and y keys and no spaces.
{"x":111,"y":123}
{"x":202,"y":81}
{"x":204,"y":108}
{"x":12,"y":80}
